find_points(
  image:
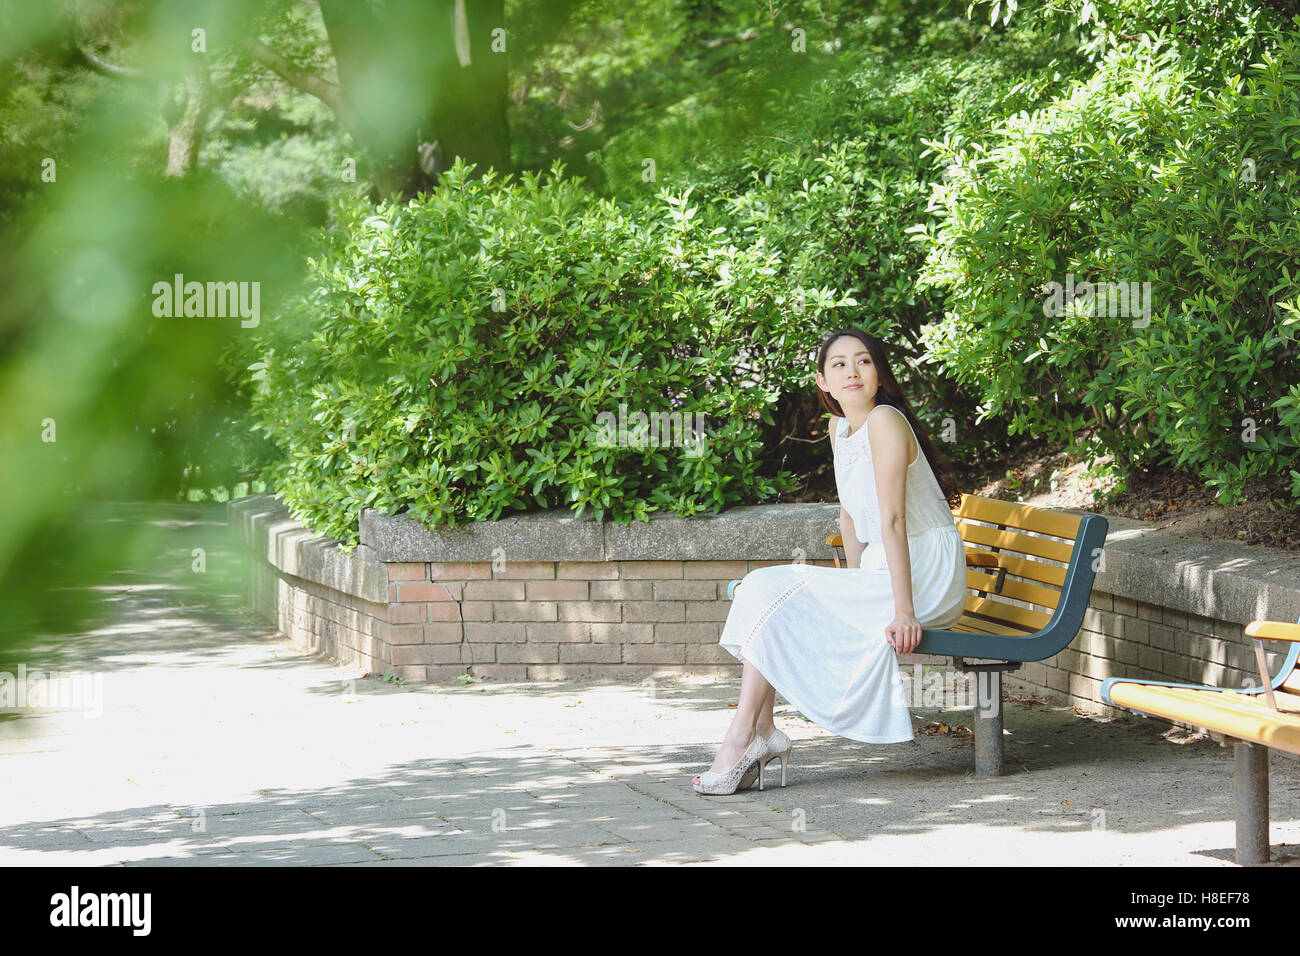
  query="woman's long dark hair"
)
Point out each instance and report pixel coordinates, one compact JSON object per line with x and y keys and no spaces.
{"x":890,"y":394}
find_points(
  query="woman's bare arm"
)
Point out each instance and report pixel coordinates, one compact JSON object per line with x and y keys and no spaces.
{"x":853,"y":548}
{"x":889,"y":450}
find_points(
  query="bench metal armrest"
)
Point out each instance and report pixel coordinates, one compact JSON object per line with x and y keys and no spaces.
{"x":1259,"y":631}
{"x":836,"y":540}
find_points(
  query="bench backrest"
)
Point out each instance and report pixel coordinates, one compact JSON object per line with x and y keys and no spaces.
{"x":1022,"y":542}
{"x":1042,"y":559}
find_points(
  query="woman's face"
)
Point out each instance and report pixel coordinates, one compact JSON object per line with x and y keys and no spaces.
{"x":850,"y":374}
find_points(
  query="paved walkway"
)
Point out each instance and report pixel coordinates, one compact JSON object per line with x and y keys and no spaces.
{"x":219,"y":745}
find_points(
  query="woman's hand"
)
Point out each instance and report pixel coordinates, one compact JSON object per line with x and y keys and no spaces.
{"x":904,"y":633}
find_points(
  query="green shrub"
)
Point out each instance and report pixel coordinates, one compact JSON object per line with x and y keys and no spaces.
{"x":453,"y":356}
{"x":1135,"y":177}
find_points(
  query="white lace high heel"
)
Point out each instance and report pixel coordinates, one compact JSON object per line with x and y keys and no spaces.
{"x":776,"y":747}
{"x":727,"y":782}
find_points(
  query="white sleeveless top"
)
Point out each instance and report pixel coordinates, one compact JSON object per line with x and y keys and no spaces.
{"x":855,"y":478}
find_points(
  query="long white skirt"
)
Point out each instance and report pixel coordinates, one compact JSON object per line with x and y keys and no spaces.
{"x":817,"y":634}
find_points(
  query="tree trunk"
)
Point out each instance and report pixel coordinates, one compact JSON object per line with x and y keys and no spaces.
{"x":420,"y":97}
{"x":186,"y":124}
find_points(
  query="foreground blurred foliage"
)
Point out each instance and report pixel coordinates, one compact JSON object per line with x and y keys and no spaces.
{"x":734,"y":178}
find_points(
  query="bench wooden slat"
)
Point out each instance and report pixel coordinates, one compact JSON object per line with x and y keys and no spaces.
{"x":1011,"y":588}
{"x":1020,"y":566}
{"x":1028,"y":621}
{"x":1009,"y":539}
{"x":1017,"y":515}
{"x":1195,"y":707}
{"x":1253,"y":704}
{"x":976,"y":625}
{"x":1273,"y":631}
{"x":1203,"y":709}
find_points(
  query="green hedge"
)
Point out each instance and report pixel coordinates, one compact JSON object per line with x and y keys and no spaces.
{"x":454,"y":356}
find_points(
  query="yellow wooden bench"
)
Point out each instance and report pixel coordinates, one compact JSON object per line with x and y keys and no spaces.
{"x":1045,"y":559}
{"x":1252,"y":720}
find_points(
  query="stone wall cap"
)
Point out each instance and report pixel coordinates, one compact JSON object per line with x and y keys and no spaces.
{"x":751,"y":532}
{"x":1225,"y":580}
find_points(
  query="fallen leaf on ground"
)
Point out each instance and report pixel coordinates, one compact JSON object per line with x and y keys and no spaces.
{"x":938,"y":728}
{"x":1027,"y":699}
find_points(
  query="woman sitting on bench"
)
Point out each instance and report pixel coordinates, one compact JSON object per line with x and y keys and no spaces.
{"x":827,"y":638}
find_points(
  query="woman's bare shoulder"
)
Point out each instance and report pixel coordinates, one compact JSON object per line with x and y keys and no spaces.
{"x":898,"y":432}
{"x":834,"y":428}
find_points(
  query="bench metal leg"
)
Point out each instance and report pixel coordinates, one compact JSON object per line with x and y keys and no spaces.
{"x":1250,"y":792}
{"x":988,"y":723}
